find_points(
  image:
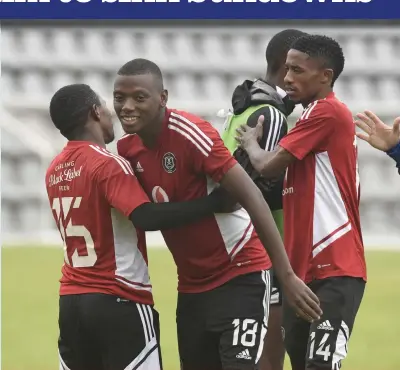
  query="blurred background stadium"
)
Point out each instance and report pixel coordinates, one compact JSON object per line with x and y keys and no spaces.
{"x":201,"y":64}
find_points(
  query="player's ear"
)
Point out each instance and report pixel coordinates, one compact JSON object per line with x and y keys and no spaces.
{"x":327,"y":76}
{"x":95,"y":112}
{"x":164,"y":98}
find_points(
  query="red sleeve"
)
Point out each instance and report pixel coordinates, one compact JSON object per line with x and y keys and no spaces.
{"x":312,"y":131}
{"x":209,"y":153}
{"x":120,"y":186}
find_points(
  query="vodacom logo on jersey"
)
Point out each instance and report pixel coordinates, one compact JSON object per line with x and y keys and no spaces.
{"x":286,"y":191}
{"x":159,"y":195}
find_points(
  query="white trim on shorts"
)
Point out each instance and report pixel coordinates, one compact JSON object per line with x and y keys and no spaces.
{"x":148,"y":358}
{"x":266,"y":278}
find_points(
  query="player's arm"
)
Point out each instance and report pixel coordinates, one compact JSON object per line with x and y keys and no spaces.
{"x":311,"y":133}
{"x":217,"y":163}
{"x":269,"y":164}
{"x":162,"y":216}
{"x":123,"y":192}
{"x":268,"y":125}
{"x":274,"y":129}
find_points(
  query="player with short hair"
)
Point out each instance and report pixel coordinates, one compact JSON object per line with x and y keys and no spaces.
{"x":320,"y":202}
{"x":379,"y":135}
{"x":106,"y":315}
{"x":224,"y":282}
{"x":250,"y":100}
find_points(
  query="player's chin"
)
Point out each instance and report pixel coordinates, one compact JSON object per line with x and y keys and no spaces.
{"x":294,"y":96}
{"x":131,"y":128}
{"x":109,"y":138}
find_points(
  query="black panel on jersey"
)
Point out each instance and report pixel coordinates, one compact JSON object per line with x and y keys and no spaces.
{"x":275,"y":127}
{"x":253,"y":93}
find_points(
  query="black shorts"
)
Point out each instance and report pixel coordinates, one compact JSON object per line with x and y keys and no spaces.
{"x":276,"y":293}
{"x":224,"y":328}
{"x":103,"y":332}
{"x":323,"y":344}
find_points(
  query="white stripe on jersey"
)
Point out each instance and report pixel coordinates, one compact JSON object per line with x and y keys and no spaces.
{"x":125,"y":136}
{"x":125,"y":165}
{"x":201,"y":133}
{"x":193,"y":133}
{"x":276,"y":121}
{"x":306,"y":113}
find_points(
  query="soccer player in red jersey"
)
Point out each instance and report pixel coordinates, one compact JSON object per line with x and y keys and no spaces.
{"x":321,"y":202}
{"x":106,"y":318}
{"x":224,"y":283}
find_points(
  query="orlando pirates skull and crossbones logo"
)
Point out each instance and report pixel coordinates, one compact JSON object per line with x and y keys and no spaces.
{"x":169,"y":162}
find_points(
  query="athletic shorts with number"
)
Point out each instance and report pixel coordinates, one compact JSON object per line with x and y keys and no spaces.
{"x":224,"y":328}
{"x":276,"y":294}
{"x":324,"y":343}
{"x":103,"y":332}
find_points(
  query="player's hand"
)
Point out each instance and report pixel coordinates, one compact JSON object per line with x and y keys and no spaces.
{"x":246,"y":135}
{"x":377,"y":134}
{"x":223,"y":201}
{"x":304,"y":302}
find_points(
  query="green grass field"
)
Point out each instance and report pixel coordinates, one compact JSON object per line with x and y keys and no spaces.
{"x":29,"y":310}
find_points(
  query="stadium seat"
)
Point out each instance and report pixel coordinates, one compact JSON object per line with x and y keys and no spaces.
{"x":201,"y":67}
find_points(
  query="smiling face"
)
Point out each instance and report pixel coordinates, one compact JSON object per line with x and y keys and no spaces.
{"x":138,"y":101}
{"x":306,"y":78}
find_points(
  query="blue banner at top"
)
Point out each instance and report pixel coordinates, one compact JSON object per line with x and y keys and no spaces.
{"x":199,"y":9}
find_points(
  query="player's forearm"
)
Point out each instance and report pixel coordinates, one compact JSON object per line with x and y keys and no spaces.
{"x":263,"y":161}
{"x":269,"y":235}
{"x":162,"y":216}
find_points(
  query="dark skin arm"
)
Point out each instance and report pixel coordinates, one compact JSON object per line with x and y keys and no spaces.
{"x":241,"y":187}
{"x":268,"y":164}
{"x":163,"y":216}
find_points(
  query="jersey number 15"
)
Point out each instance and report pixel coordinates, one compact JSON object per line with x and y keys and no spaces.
{"x":68,"y":230}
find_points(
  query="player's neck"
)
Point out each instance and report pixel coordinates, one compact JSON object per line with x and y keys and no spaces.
{"x":320,"y":95}
{"x":89,"y":136}
{"x":151,"y":133}
{"x":274,"y":80}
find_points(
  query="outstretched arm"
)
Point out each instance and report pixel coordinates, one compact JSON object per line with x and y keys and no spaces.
{"x":379,"y":135}
{"x":162,"y":216}
{"x":376,"y":133}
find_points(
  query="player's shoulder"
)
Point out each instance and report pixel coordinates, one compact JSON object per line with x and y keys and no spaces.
{"x":109,"y":161}
{"x":272,"y":116}
{"x":188,"y":120}
{"x":329,"y":107}
{"x":192,"y":129}
{"x":125,"y":143}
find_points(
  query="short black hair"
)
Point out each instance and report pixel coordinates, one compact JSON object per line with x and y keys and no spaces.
{"x":324,"y":48}
{"x":70,"y":107}
{"x":141,"y":66}
{"x":278,"y":47}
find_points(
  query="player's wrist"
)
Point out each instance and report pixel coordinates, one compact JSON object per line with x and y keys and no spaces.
{"x":394,"y":153}
{"x":285,"y":276}
{"x":251,"y":145}
{"x":393,"y":150}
